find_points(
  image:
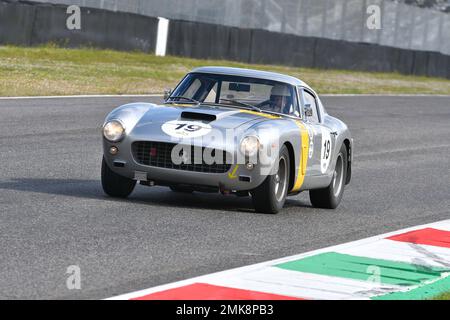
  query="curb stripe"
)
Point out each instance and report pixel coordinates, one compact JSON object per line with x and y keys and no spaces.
{"x":423,"y":271}
{"x":428,"y":236}
{"x":403,"y":252}
{"x":307,"y":285}
{"x":204,"y":291}
{"x":361,"y":268}
{"x":427,"y":291}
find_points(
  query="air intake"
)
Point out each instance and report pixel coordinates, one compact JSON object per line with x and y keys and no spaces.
{"x":186,"y":115}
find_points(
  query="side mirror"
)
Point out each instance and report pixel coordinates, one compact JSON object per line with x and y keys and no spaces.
{"x":167,"y":93}
{"x":308,"y":110}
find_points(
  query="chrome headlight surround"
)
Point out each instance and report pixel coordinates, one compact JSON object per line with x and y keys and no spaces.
{"x":250,"y":145}
{"x":113,"y":130}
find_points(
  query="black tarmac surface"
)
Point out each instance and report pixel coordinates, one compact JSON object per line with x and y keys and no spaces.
{"x":53,"y":213}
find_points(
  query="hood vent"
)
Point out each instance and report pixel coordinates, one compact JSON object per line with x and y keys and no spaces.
{"x":186,"y":115}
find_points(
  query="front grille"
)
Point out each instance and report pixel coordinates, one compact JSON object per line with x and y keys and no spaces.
{"x":159,"y":154}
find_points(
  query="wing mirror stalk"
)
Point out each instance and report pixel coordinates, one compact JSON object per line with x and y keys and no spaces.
{"x":308,"y":110}
{"x":167,"y":94}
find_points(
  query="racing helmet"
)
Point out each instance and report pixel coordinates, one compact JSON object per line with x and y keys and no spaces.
{"x":282,"y":92}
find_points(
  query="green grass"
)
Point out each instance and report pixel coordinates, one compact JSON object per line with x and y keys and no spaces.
{"x":49,"y":70}
{"x":444,"y":296}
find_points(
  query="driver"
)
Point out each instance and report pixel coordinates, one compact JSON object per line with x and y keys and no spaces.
{"x":280,"y":99}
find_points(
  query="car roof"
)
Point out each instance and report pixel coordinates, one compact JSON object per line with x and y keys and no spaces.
{"x":251,"y":73}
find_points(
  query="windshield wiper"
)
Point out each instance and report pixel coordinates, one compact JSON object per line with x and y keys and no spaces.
{"x":243,"y":104}
{"x":185,"y":98}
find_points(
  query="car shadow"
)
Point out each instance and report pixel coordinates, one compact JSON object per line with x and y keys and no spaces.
{"x":156,"y":196}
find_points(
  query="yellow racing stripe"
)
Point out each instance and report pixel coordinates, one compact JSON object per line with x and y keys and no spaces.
{"x":179,"y":105}
{"x":265,"y":115}
{"x":303,"y":156}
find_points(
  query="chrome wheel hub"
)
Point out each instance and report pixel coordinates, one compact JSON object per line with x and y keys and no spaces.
{"x":338,"y":176}
{"x":281,"y":180}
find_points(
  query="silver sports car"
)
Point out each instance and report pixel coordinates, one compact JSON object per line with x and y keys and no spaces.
{"x":234,"y":131}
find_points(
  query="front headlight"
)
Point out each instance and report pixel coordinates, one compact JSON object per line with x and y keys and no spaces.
{"x":113,"y":131}
{"x":250,"y":145}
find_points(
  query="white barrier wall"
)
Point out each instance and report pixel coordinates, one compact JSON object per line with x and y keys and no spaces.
{"x":402,"y":26}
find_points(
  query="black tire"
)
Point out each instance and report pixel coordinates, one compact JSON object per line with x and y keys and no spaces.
{"x":181,"y":189}
{"x":330,"y":197}
{"x":268,"y":197}
{"x":115,"y":185}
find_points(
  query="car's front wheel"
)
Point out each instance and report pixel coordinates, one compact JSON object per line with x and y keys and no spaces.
{"x":270,"y":196}
{"x":115,"y":185}
{"x":330,"y":197}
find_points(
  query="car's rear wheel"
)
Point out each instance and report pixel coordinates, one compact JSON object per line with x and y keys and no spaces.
{"x":270,"y":196}
{"x":330,"y":197}
{"x":181,"y":189}
{"x":116,"y":185}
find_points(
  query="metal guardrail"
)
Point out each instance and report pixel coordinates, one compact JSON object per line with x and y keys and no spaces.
{"x":28,"y":23}
{"x":403,"y":26}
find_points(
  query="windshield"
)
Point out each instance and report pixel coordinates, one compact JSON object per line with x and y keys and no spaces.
{"x":238,"y":92}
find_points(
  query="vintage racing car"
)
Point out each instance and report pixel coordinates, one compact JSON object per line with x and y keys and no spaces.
{"x":234,"y":131}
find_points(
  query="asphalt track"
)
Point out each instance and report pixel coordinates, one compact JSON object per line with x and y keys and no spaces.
{"x":53,"y":213}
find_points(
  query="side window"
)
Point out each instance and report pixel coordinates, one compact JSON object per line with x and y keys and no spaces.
{"x":309,"y":99}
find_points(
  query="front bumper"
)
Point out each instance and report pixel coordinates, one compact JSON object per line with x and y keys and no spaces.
{"x":237,"y":178}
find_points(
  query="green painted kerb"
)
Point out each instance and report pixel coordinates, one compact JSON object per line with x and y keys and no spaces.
{"x":427,"y":291}
{"x":367,"y":269}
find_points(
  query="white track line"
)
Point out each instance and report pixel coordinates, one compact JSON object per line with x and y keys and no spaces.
{"x":383,"y":95}
{"x":160,"y":95}
{"x":85,"y":96}
{"x":221,"y":276}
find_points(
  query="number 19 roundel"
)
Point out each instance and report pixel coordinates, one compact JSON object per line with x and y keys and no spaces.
{"x":185,"y":129}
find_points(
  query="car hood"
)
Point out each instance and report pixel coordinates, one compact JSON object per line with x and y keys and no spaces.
{"x":222,"y":118}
